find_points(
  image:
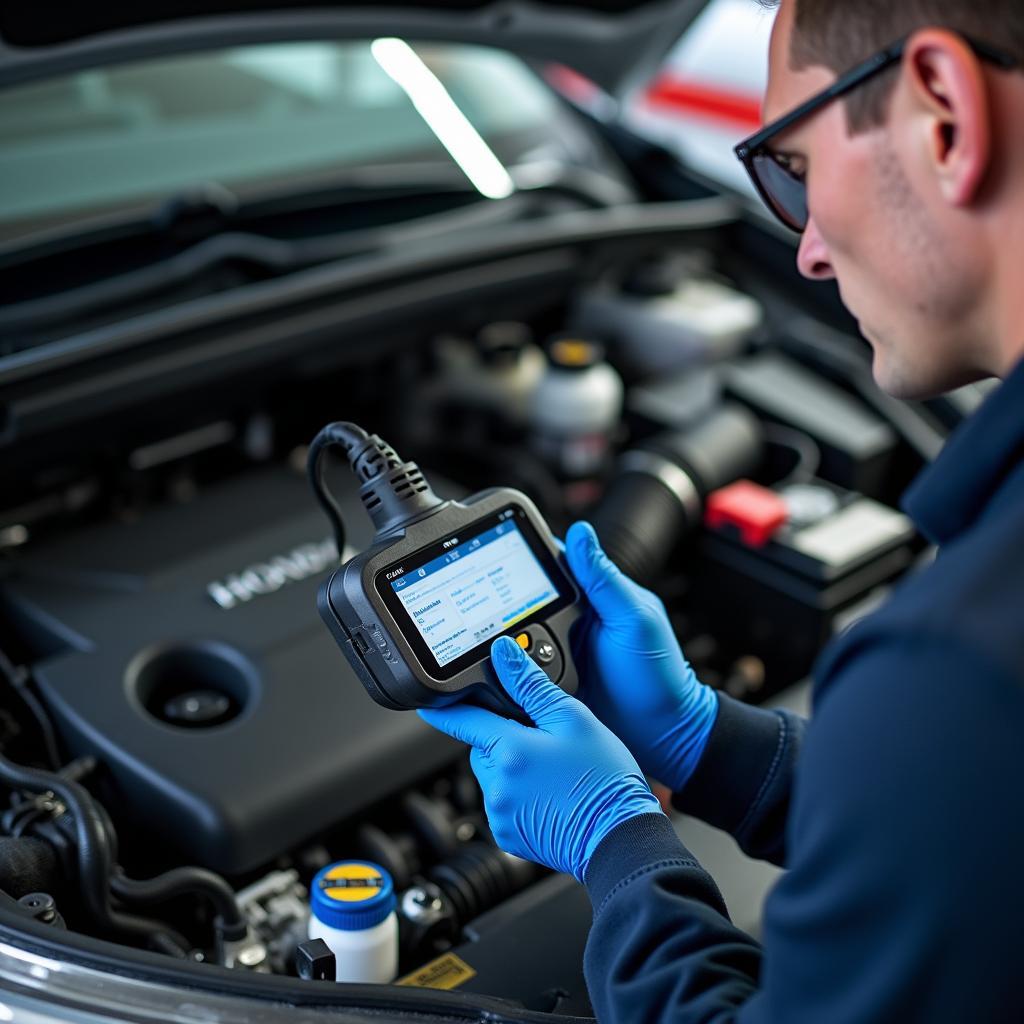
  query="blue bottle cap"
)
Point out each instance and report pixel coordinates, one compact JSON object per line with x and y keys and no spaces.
{"x":351,"y":895}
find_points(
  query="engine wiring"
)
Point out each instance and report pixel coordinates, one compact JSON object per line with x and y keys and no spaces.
{"x":20,"y":681}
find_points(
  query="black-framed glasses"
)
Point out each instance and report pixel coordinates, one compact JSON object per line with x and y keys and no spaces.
{"x":784,"y":191}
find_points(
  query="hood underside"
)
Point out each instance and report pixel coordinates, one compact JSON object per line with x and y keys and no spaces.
{"x":611,"y":42}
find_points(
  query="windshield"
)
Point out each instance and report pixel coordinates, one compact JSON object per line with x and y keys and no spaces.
{"x":106,"y":139}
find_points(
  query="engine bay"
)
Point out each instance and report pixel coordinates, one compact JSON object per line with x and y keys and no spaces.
{"x":183,"y":747}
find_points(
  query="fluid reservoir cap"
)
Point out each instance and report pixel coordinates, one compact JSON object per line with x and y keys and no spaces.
{"x":569,"y":353}
{"x":351,"y":895}
{"x":503,"y":343}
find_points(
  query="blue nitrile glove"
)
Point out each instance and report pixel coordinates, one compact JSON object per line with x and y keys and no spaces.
{"x":633,"y":673}
{"x":553,"y":792}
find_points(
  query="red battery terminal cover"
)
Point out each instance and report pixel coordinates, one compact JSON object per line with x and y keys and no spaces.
{"x":755,"y":511}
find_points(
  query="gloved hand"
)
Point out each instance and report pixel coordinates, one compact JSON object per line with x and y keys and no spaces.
{"x":633,"y":673}
{"x":553,"y":792}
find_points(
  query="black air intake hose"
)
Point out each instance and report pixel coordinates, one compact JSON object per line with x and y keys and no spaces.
{"x":659,"y":491}
{"x":27,"y":865}
{"x":479,"y":877}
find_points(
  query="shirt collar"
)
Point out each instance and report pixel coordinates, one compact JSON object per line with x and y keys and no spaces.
{"x":952,"y":492}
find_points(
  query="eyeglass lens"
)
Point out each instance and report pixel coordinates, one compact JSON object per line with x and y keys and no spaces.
{"x":785,"y":193}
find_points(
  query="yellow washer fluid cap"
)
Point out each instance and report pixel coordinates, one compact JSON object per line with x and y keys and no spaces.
{"x":575,"y":353}
{"x":352,"y":894}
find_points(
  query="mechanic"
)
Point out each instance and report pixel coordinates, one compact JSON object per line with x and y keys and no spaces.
{"x":899,"y":810}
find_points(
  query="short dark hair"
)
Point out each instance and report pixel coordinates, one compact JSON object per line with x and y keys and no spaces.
{"x":840,"y":33}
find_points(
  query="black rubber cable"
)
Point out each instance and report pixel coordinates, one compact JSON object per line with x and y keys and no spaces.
{"x":19,"y":680}
{"x":93,"y":849}
{"x":335,"y":435}
{"x":231,"y":923}
{"x":806,"y":450}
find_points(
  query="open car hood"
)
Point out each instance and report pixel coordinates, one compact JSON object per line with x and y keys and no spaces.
{"x":612,"y":42}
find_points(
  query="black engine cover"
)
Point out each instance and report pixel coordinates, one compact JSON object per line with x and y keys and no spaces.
{"x":233,"y":731}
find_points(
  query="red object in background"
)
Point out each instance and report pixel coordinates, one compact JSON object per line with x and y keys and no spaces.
{"x":571,"y":84}
{"x":755,"y":511}
{"x":669,"y":93}
{"x":711,"y":102}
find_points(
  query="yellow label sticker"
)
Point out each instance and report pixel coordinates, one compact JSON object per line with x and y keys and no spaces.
{"x":352,"y":883}
{"x":446,"y":972}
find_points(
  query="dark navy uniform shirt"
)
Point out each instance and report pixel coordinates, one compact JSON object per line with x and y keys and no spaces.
{"x":898,"y":811}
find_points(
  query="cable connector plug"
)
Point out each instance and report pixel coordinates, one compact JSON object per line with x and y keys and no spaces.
{"x":393,"y":492}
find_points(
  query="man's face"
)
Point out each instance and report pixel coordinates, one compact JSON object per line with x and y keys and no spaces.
{"x":878,"y":229}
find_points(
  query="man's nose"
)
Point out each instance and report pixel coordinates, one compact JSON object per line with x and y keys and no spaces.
{"x":812,"y":258}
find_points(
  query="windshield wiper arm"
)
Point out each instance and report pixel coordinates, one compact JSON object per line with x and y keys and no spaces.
{"x":207,"y":221}
{"x":263,"y":255}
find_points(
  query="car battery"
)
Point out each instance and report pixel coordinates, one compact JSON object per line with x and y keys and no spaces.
{"x":778,"y":572}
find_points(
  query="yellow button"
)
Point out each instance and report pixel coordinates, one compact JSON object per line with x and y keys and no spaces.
{"x":524,"y":641}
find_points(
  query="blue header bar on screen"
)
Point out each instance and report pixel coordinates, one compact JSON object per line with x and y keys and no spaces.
{"x":457,"y":552}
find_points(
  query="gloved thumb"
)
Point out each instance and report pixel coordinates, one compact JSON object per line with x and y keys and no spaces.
{"x":466,"y":723}
{"x":528,"y":685}
{"x":610,"y":592}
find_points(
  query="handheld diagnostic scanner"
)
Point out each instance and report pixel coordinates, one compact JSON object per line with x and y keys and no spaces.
{"x":415,"y":614}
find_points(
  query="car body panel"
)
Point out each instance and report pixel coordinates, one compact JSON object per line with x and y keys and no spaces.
{"x":614,"y":43}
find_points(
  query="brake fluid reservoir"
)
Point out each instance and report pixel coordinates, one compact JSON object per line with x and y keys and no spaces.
{"x":353,"y":911}
{"x":576,"y":408}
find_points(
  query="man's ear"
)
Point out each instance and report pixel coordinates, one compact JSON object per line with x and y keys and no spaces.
{"x":950,"y":111}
